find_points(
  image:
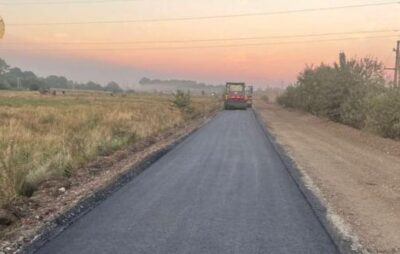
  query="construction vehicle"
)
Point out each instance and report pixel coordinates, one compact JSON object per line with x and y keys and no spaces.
{"x":235,"y":96}
{"x":249,"y":96}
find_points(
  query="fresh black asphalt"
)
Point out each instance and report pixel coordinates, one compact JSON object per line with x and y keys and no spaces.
{"x":222,"y":190}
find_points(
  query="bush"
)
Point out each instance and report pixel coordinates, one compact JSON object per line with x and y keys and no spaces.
{"x":340,"y":92}
{"x":184,"y":102}
{"x":288,"y":98}
{"x":351,"y":92}
{"x":384,"y":114}
{"x":182,"y":99}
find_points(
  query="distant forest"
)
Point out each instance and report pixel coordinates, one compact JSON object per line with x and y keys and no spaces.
{"x":13,"y":78}
{"x":174,"y":84}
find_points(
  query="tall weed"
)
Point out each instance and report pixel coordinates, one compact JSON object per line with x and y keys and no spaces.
{"x":42,"y":137}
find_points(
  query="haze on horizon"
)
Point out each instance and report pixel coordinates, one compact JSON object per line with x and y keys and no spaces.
{"x":125,"y":52}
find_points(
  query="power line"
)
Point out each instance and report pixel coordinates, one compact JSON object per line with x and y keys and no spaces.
{"x":208,"y":17}
{"x":213,"y":46}
{"x":68,"y":2}
{"x":220,"y":39}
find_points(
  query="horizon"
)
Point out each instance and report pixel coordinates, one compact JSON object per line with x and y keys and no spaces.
{"x":236,"y":48}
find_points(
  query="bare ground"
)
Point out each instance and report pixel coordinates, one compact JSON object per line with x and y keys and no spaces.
{"x":56,"y":196}
{"x":356,"y":172}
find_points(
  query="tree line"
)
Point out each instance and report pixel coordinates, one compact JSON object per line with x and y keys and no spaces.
{"x":175,"y":83}
{"x":353,"y":92}
{"x":13,"y":78}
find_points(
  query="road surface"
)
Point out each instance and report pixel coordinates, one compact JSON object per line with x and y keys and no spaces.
{"x":223,"y":190}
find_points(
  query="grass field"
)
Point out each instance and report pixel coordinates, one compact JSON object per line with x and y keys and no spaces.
{"x":44,"y":136}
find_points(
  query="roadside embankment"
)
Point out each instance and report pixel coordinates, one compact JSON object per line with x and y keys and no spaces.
{"x":355,"y":172}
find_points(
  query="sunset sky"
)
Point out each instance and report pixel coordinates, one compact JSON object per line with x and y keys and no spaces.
{"x":125,"y":52}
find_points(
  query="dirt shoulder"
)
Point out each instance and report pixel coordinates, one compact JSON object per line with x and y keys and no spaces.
{"x":356,"y":172}
{"x":55,"y":197}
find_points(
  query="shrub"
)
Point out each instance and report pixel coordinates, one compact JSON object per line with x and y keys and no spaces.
{"x":288,"y":98}
{"x":182,"y":99}
{"x":384,"y":114}
{"x":340,"y":92}
{"x":351,"y":92}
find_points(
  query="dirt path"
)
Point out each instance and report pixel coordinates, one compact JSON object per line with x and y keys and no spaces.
{"x":358,"y":173}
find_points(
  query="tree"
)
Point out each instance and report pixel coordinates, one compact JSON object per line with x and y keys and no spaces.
{"x":92,"y":86}
{"x":15,"y":72}
{"x":34,"y":87}
{"x":144,"y":81}
{"x":3,"y":67}
{"x":113,"y":87}
{"x":57,"y":82}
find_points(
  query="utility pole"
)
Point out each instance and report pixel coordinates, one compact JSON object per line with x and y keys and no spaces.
{"x":397,"y":66}
{"x":2,"y":28}
{"x":396,"y":69}
{"x":18,"y":83}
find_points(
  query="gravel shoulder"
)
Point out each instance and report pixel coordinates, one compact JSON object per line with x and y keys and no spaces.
{"x":356,"y":172}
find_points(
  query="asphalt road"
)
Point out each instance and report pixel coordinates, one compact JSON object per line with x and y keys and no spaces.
{"x":223,"y":190}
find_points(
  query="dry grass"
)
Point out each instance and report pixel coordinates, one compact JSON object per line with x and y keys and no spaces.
{"x":51,"y":136}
